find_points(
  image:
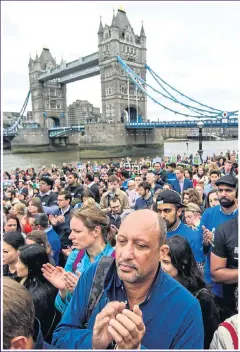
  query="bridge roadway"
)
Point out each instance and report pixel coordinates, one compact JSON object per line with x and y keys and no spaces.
{"x":82,"y":68}
{"x":65,"y":131}
{"x":184,"y":124}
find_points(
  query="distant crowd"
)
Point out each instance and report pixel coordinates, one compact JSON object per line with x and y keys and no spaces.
{"x":122,"y":255}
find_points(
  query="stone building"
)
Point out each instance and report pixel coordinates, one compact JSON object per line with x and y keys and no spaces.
{"x":49,"y":103}
{"x":82,"y":112}
{"x":120,"y":98}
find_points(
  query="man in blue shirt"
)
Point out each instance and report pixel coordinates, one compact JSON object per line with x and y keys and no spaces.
{"x":141,"y":306}
{"x":171,"y":176}
{"x":40,"y":222}
{"x":214,"y":217}
{"x":169,"y":206}
{"x":145,"y":200}
{"x":181,"y":183}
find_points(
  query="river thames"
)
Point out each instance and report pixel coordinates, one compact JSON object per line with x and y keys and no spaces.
{"x":37,"y":160}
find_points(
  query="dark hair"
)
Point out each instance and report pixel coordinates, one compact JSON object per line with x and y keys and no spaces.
{"x":67,"y":195}
{"x":145,"y":185}
{"x":190,"y":172}
{"x":36,"y":202}
{"x":189,"y":275}
{"x":211,"y":192}
{"x":216,"y":172}
{"x":125,"y":173}
{"x":90,"y":177}
{"x":47,"y":180}
{"x":87,"y":193}
{"x":41,"y":219}
{"x":33,"y":256}
{"x":18,"y":312}
{"x":40,"y":237}
{"x":14,"y":239}
{"x":11,"y":216}
{"x":144,"y":167}
{"x":74,"y":174}
{"x":43,"y":293}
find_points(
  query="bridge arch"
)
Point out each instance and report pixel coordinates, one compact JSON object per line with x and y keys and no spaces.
{"x":132,"y":114}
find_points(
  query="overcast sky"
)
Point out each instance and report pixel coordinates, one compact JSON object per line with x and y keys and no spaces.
{"x":194,"y":46}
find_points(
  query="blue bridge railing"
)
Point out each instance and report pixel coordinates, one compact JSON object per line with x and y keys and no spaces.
{"x":187,"y":124}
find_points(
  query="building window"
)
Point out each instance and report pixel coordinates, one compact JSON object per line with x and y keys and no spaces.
{"x":46,"y":104}
{"x":53,"y":104}
{"x":58,"y":105}
{"x":131,"y":39}
{"x":59,"y":94}
{"x":127,"y":39}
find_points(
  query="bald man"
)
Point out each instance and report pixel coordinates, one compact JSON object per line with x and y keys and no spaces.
{"x":141,"y":306}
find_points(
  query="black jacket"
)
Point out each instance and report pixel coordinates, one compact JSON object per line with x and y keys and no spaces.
{"x":75,"y":191}
{"x":94,"y":189}
{"x":48,"y":199}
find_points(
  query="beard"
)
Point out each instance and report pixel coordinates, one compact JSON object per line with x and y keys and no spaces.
{"x":170,"y":224}
{"x":226,"y":203}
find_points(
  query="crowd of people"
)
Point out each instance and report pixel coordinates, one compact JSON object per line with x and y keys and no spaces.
{"x":122,"y":255}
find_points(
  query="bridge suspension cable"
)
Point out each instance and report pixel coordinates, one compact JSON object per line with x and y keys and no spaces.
{"x":154,"y":74}
{"x":139,"y":82}
{"x":17,"y":122}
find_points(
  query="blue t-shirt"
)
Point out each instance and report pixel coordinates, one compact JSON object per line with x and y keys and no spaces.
{"x":193,"y":238}
{"x":171,"y":176}
{"x":211,"y":219}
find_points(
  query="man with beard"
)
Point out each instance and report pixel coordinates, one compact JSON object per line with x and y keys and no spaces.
{"x":74,"y":188}
{"x":212,"y":218}
{"x":169,"y":207}
{"x":139,"y":302}
{"x":145,"y":200}
{"x":224,"y":262}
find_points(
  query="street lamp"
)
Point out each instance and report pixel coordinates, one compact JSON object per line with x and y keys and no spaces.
{"x":200,"y":125}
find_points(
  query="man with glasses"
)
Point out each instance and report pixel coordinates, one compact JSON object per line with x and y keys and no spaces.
{"x":47,"y":196}
{"x":116,"y":214}
{"x":212,"y":218}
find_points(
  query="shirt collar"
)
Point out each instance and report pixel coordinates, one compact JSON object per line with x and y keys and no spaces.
{"x":48,"y":229}
{"x":44,"y":194}
{"x":90,"y":184}
{"x":65,"y":211}
{"x":234,"y":211}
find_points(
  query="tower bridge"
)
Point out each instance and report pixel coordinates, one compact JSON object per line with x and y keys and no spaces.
{"x":121,"y":63}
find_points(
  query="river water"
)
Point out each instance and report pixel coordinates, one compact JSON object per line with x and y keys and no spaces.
{"x":37,"y":160}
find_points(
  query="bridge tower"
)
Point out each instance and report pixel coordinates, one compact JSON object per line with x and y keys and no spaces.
{"x":49,"y":101}
{"x":119,"y":39}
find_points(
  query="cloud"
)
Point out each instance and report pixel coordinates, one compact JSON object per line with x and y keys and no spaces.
{"x":193,"y":46}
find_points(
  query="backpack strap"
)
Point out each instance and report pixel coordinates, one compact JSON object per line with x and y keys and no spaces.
{"x":97,"y":288}
{"x":78,"y":259}
{"x":232,"y":332}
